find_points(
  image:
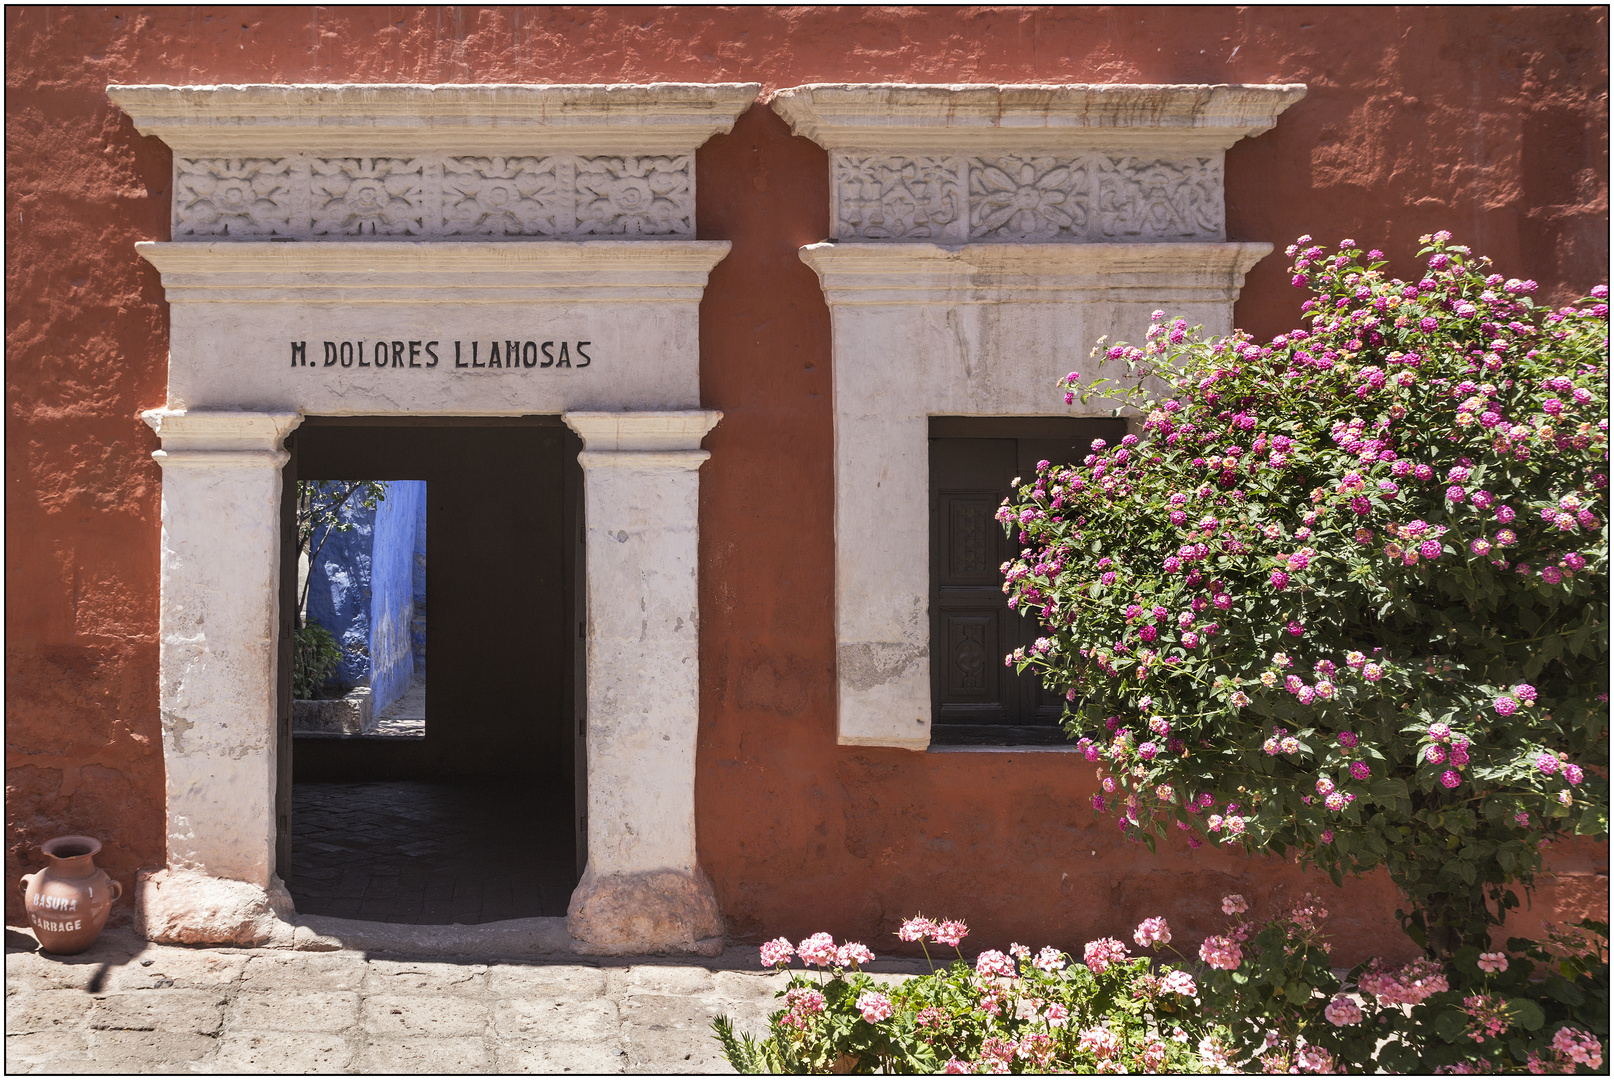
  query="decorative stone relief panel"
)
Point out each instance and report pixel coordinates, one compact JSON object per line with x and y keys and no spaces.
{"x":1160,"y":200}
{"x":315,"y":198}
{"x":1028,"y":197}
{"x":246,"y":197}
{"x":1022,"y":197}
{"x":884,"y":197}
{"x":367,"y":197}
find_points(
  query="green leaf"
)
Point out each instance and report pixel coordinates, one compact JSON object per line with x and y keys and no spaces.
{"x":1556,"y":986}
{"x":1451,"y":1024}
{"x":1527,"y":1013}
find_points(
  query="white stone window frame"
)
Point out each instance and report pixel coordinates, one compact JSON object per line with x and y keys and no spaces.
{"x":983,"y":239}
{"x":237,"y":296}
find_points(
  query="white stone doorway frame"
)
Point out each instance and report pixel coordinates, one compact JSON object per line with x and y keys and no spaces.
{"x":408,"y":215}
{"x":984,"y":238}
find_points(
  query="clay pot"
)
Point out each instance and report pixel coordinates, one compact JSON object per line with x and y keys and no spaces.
{"x":69,"y":900}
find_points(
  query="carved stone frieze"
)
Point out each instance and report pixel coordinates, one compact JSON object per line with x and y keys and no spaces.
{"x":307,"y":197}
{"x":367,"y":197}
{"x":636,"y":196}
{"x":1027,"y":197}
{"x":518,"y":196}
{"x":229,"y":197}
{"x":885,"y":197}
{"x":1024,"y":197}
{"x":1160,"y":200}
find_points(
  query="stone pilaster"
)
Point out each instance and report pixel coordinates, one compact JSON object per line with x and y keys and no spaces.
{"x":643,"y":890}
{"x":219,"y":645}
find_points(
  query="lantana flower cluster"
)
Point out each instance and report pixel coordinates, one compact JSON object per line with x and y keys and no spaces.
{"x":1342,"y":592}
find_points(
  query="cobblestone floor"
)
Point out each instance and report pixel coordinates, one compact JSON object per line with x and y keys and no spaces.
{"x":129,"y":1006}
{"x":469,"y":851}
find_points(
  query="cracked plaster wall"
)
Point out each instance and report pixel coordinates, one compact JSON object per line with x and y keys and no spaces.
{"x":1490,"y":122}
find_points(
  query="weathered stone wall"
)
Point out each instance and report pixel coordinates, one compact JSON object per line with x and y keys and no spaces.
{"x":1489,"y":122}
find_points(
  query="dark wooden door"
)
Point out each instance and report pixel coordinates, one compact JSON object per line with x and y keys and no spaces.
{"x":976,"y":698}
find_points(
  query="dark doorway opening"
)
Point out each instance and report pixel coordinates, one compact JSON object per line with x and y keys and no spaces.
{"x":479,"y":819}
{"x":975,"y":698}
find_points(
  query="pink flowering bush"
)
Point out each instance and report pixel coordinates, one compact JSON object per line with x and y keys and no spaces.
{"x":1266,"y":1000}
{"x":1345,"y":596}
{"x":1279,"y":1006}
{"x":1014,"y":1012}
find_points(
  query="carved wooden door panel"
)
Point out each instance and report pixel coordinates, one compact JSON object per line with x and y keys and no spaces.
{"x":975,"y":697}
{"x":970,"y":621}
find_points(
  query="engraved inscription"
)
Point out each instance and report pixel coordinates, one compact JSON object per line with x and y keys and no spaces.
{"x":1028,"y":198}
{"x":230,"y":197}
{"x":353,"y":356}
{"x":892,"y":198}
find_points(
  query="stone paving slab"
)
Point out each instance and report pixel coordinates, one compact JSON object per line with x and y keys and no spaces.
{"x":129,"y":1006}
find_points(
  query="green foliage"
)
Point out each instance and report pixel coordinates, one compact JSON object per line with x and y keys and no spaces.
{"x":315,"y":658}
{"x":325,"y":507}
{"x":1347,"y":598}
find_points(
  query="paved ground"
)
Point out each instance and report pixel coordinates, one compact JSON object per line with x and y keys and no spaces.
{"x":404,"y":718}
{"x":129,"y":1006}
{"x":430,"y":852}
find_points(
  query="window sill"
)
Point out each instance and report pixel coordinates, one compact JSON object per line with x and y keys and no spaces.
{"x":1030,"y":749}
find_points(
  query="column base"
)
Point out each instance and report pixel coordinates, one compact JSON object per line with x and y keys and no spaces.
{"x":657,"y":911}
{"x":183,"y":907}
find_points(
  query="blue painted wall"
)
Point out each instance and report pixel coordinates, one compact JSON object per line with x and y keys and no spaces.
{"x":363,"y":588}
{"x":417,"y":630}
{"x":392,"y":591}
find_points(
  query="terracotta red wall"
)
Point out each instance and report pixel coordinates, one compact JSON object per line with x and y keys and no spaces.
{"x":1489,"y":122}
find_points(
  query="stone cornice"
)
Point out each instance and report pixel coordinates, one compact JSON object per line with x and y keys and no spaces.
{"x":489,"y":271}
{"x":401,"y":163}
{"x":1029,"y":164}
{"x":885,"y":274}
{"x":1183,"y":119}
{"x":498,"y":120}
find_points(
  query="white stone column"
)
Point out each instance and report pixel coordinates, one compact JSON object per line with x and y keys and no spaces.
{"x":643,"y":890}
{"x":219,"y":627}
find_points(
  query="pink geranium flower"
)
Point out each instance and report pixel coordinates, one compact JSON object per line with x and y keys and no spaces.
{"x":1152,"y":931}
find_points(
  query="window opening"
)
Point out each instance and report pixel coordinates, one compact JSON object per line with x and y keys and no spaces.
{"x":975,"y":698}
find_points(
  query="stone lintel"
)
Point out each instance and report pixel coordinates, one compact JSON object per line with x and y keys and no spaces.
{"x":497,"y":120}
{"x":987,"y":118}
